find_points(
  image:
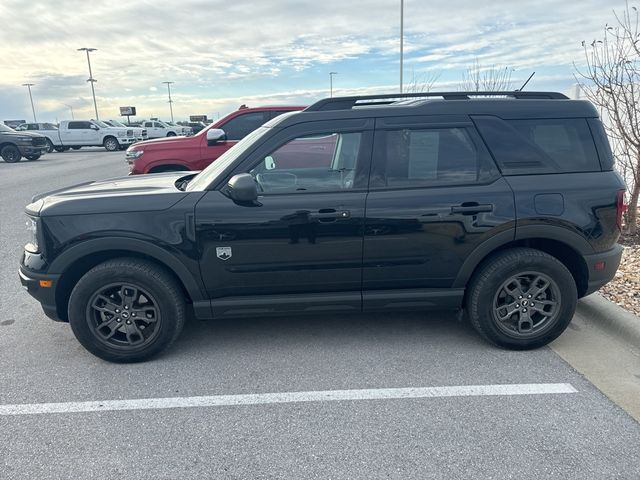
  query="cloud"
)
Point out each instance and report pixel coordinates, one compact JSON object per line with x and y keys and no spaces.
{"x":215,"y":50}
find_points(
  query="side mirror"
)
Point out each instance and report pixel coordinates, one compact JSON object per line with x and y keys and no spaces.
{"x":215,"y":135}
{"x":269,"y":163}
{"x":242,"y":188}
{"x":94,"y":127}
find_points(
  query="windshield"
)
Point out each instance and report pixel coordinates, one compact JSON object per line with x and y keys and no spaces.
{"x":101,"y":124}
{"x":209,"y":174}
{"x":116,"y":123}
{"x":4,"y":128}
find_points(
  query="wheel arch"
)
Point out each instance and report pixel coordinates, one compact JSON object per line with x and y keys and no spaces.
{"x":566,"y":246}
{"x":75,"y":262}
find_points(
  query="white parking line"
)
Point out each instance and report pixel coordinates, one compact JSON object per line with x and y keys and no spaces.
{"x":288,"y":397}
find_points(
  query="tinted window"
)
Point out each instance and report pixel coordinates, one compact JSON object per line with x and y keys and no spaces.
{"x":426,"y":157}
{"x":325,"y":162}
{"x":32,"y":126}
{"x":540,"y":145}
{"x":79,"y":125}
{"x":148,"y":124}
{"x":49,"y":126}
{"x":239,"y":127}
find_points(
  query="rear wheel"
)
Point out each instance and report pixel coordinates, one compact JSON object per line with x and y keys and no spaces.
{"x":61,"y":149}
{"x":111,"y":144}
{"x":521,"y":299}
{"x":76,"y":148}
{"x":10,"y":154}
{"x":126,"y":310}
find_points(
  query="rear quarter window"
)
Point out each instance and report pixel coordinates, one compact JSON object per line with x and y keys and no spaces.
{"x":537,"y":146}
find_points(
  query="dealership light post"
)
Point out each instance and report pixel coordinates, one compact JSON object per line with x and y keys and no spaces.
{"x":70,"y":108}
{"x":331,"y":74}
{"x":401,"y":41}
{"x":29,"y":85}
{"x":91,"y":79}
{"x":170,"y":101}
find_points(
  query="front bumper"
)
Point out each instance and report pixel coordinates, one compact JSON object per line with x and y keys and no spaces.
{"x":602,"y":268}
{"x":126,"y":140}
{"x":45,"y":295}
{"x":31,"y":150}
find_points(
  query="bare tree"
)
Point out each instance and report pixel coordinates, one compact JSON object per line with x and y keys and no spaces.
{"x":479,"y":78}
{"x":421,"y":83}
{"x":611,"y":80}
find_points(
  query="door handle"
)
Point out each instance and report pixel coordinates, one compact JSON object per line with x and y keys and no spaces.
{"x":470,"y":208}
{"x":331,"y":214}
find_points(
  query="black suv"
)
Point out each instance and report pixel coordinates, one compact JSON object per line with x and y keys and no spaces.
{"x":504,"y":204}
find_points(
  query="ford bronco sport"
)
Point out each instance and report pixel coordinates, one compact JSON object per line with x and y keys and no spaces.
{"x":503,"y":204}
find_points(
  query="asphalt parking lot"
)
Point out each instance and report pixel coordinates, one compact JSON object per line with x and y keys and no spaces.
{"x":553,"y":424}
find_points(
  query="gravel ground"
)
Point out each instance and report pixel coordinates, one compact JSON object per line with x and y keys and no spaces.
{"x":624,"y":290}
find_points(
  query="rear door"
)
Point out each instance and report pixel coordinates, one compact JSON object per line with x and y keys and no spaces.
{"x":435,"y":196}
{"x":75,"y":133}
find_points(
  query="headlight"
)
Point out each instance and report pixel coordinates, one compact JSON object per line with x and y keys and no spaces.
{"x":32,"y":228}
{"x":25,"y":140}
{"x":133,"y":154}
{"x":122,"y":134}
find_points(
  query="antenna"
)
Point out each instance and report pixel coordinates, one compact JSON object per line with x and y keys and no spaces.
{"x":525,"y":83}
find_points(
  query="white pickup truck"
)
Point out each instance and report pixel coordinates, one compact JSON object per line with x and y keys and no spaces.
{"x":88,"y":133}
{"x":139,"y":133}
{"x":158,"y":129}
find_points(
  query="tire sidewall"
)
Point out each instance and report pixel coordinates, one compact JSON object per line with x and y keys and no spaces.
{"x":11,"y":154}
{"x":111,"y":144}
{"x":486,"y":292}
{"x":95,"y":280}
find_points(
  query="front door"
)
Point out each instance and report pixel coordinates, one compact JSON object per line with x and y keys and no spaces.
{"x":300,"y":247}
{"x":435,"y":195}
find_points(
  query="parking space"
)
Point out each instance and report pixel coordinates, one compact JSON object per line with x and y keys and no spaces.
{"x":256,"y":398}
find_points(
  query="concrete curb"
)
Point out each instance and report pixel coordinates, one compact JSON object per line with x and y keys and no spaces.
{"x":615,"y":320}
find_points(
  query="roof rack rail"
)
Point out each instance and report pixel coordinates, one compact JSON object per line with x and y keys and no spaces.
{"x":346,"y":103}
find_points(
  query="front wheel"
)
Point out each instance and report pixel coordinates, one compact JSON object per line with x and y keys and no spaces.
{"x":50,"y":146}
{"x":10,"y":154}
{"x":33,"y":157}
{"x":111,"y":144}
{"x":126,"y":310}
{"x":171,"y":134}
{"x":521,"y":299}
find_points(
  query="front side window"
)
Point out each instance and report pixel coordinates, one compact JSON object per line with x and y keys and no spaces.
{"x":316,"y":163}
{"x":426,"y":157}
{"x":32,"y":126}
{"x":239,"y":127}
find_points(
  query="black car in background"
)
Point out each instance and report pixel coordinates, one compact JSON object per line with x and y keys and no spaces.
{"x":504,"y":204}
{"x":15,"y":145}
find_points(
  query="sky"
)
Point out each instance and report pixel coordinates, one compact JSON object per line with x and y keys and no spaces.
{"x":221,"y":54}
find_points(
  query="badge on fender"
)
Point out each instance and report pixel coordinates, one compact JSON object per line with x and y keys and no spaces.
{"x":223,"y":253}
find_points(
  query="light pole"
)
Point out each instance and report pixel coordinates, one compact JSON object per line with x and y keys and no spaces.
{"x":70,"y":108}
{"x":91,"y":79}
{"x":29,"y":85}
{"x":401,"y":41}
{"x":170,"y":101}
{"x":331,"y":74}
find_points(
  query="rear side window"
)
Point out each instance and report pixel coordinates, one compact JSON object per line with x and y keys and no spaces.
{"x":523,"y":147}
{"x":79,"y":125}
{"x":427,"y":157}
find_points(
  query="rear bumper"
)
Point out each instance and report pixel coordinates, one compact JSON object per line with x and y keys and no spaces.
{"x":46,"y":296}
{"x":602,"y":268}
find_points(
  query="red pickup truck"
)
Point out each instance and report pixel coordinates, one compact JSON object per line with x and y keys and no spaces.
{"x":194,"y":153}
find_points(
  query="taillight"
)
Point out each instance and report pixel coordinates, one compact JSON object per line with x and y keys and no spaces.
{"x":620,"y":208}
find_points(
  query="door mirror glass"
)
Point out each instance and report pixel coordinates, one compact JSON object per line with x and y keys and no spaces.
{"x":215,"y":136}
{"x":242,"y":188}
{"x":269,"y":163}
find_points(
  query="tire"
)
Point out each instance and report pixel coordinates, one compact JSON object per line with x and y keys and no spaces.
{"x":10,"y":154}
{"x":106,"y":293}
{"x":168,"y":168}
{"x":171,"y":134}
{"x":59,"y":149}
{"x":76,"y":148}
{"x":507,"y":304}
{"x":50,"y":146}
{"x":111,"y":144}
{"x":33,"y":158}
